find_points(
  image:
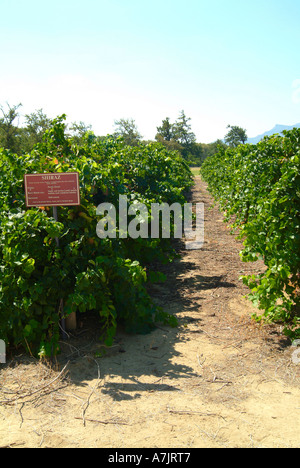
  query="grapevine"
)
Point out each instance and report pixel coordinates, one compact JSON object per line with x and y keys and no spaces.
{"x":258,"y":187}
{"x":109,"y":276}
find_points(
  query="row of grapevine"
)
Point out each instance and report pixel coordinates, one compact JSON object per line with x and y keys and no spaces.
{"x":86,"y":272}
{"x":258,"y":188}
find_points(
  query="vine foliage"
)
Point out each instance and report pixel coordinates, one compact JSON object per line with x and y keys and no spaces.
{"x":259,"y":187}
{"x":109,"y":276}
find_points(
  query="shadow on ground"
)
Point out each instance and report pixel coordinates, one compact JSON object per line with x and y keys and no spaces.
{"x":141,"y":363}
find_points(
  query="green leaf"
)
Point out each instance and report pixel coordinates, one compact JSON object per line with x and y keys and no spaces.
{"x":29,"y":266}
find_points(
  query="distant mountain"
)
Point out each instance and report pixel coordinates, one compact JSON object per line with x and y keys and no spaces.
{"x":277,"y":129}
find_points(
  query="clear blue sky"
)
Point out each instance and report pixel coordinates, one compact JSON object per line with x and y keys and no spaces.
{"x":222,"y":62}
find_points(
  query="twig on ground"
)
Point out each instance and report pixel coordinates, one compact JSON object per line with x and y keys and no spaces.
{"x":104,"y":422}
{"x":86,"y":404}
{"x":187,"y":412}
{"x":28,"y":394}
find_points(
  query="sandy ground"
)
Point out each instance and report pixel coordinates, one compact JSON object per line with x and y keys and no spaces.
{"x":218,"y":380}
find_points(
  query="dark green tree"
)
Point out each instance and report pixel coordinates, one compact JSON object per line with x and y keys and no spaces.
{"x":235,"y":136}
{"x":182,"y":131}
{"x":165,"y":130}
{"x":179,"y":136}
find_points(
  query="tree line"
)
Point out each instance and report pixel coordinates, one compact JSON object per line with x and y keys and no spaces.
{"x":176,"y":136}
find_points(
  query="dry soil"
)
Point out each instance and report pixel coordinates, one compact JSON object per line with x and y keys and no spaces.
{"x":217,"y":380}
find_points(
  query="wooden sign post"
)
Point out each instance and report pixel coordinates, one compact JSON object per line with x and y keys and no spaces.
{"x":55,"y":189}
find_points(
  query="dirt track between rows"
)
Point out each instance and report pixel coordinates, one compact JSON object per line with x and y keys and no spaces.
{"x":218,"y":380}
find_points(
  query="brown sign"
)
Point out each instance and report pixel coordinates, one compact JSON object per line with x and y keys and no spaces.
{"x":58,"y":189}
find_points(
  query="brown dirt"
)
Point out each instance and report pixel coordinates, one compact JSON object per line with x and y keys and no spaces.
{"x":218,"y":380}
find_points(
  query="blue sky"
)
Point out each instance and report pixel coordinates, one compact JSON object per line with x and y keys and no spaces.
{"x":222,"y":62}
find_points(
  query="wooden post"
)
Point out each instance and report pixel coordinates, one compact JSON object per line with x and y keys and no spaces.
{"x":71,"y":322}
{"x":68,"y":323}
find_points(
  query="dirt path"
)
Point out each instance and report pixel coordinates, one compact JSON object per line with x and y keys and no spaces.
{"x":218,"y":380}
